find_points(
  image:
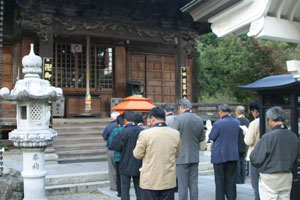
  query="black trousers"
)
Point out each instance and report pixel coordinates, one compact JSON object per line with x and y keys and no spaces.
{"x":125,"y":187}
{"x":118,"y":178}
{"x":225,"y":180}
{"x":158,"y":194}
{"x":241,"y":169}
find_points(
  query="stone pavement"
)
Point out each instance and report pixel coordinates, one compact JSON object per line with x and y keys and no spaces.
{"x":206,"y":189}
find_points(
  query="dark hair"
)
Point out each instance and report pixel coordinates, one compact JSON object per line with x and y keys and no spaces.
{"x":120,"y":119}
{"x":254,"y":106}
{"x":138,"y":119}
{"x":169,"y":107}
{"x":129,"y":115}
{"x":224,"y":108}
{"x":158,"y":113}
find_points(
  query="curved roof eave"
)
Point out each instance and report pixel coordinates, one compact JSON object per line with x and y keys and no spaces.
{"x":271,"y":83}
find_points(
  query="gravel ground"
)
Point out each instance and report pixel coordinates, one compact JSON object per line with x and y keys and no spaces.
{"x":80,"y":196}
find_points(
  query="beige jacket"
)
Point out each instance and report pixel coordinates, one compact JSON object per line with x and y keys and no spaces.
{"x":252,"y":136}
{"x":158,"y":147}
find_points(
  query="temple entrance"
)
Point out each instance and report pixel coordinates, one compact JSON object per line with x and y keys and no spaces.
{"x":70,"y":73}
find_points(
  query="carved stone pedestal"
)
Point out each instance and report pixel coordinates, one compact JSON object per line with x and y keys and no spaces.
{"x":34,"y":173}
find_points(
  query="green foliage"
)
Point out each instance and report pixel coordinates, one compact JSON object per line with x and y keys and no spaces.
{"x":228,"y":62}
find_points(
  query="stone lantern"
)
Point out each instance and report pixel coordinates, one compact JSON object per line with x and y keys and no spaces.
{"x":33,"y":134}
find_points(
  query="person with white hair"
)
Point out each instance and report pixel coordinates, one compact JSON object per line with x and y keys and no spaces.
{"x":275,"y":156}
{"x":110,"y":154}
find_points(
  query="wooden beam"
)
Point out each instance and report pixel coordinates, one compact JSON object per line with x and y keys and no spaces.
{"x":288,"y":31}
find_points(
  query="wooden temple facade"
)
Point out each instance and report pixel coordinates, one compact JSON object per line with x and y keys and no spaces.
{"x":111,"y":48}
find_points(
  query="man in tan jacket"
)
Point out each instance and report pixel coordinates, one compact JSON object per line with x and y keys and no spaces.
{"x":158,"y":147}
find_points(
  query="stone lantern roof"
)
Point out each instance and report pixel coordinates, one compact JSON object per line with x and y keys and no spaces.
{"x":32,"y":87}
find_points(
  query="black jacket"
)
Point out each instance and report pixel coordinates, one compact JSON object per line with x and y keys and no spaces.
{"x":125,"y":142}
{"x":276,"y":151}
{"x":242,"y":146}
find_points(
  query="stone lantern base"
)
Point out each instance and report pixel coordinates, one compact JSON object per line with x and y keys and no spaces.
{"x":34,"y":173}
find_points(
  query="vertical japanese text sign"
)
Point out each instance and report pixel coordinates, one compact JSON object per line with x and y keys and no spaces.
{"x":47,"y":68}
{"x":47,"y":75}
{"x":183,"y":82}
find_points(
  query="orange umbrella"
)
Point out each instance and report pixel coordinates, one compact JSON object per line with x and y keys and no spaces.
{"x":135,"y":103}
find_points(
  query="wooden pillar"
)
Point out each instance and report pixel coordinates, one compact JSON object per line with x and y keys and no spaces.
{"x":194,"y":81}
{"x":46,"y":47}
{"x":1,"y":56}
{"x":120,"y":72}
{"x":181,"y":60}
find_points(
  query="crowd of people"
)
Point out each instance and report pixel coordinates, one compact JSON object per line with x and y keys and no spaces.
{"x":160,"y":153}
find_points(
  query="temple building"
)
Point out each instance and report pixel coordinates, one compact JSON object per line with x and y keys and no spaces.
{"x":103,"y":50}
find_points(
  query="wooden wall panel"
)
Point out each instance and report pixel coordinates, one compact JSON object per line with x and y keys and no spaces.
{"x":159,"y":77}
{"x":105,"y":103}
{"x":138,"y":68}
{"x":75,"y":105}
{"x":8,"y":108}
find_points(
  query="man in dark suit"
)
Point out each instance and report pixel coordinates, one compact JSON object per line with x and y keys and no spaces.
{"x":129,"y":166}
{"x":192,"y":133}
{"x":225,"y":153}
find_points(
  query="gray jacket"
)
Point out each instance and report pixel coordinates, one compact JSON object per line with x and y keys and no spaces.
{"x":170,"y":119}
{"x":192,"y":133}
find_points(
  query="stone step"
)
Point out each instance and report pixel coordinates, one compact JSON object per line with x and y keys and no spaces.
{"x":86,"y":121}
{"x":80,"y":139}
{"x":76,"y":134}
{"x":83,"y":156}
{"x":75,"y":188}
{"x":84,"y":177}
{"x":67,"y":151}
{"x":69,"y":135}
{"x":83,"y":137}
{"x":205,"y":166}
{"x":206,"y":172}
{"x":80,"y":146}
{"x":82,"y":128}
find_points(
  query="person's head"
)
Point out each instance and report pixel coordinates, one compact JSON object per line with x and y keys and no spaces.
{"x":157,"y":115}
{"x":224,"y":109}
{"x":114,"y":115}
{"x":120,"y":120}
{"x":169,"y":108}
{"x":254,"y":109}
{"x":183,"y":105}
{"x":148,"y":121}
{"x":239,"y":111}
{"x":128,"y":116}
{"x":275,"y":116}
{"x":138,"y":120}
